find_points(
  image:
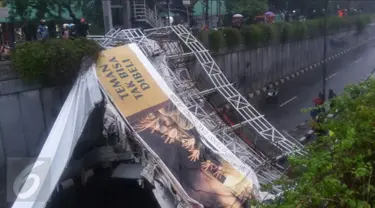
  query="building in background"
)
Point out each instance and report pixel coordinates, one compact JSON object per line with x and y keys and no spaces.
{"x":145,"y":13}
{"x":4,"y":13}
{"x":121,"y":13}
{"x":214,"y":13}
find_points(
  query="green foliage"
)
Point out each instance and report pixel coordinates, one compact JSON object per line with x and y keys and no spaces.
{"x":269,"y":33}
{"x":248,"y":8}
{"x":93,"y":11}
{"x":54,"y":61}
{"x":204,"y":36}
{"x":361,"y":22}
{"x":334,"y":23}
{"x":19,"y":8}
{"x":367,"y":19}
{"x":252,"y":35}
{"x":281,"y":32}
{"x":232,"y":37}
{"x":299,"y":31}
{"x":215,"y":38}
{"x":314,"y":28}
{"x":338,"y":169}
{"x":30,"y":10}
{"x":348,"y":23}
{"x":360,"y":25}
{"x":285,"y":31}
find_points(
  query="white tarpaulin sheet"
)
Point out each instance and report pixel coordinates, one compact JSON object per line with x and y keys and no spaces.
{"x":60,"y":143}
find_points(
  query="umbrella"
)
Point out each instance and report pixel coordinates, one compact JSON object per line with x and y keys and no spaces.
{"x":238,"y":16}
{"x":270,"y":13}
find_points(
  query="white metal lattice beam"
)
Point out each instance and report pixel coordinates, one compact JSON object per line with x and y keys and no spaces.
{"x":237,"y":101}
{"x":196,"y":103}
{"x":193,"y":99}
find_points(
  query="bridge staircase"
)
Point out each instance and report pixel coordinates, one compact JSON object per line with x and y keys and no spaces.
{"x":142,"y":14}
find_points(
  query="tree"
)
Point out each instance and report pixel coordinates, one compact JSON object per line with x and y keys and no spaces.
{"x":19,"y":8}
{"x":249,"y":8}
{"x":23,"y":9}
{"x":93,"y":11}
{"x":304,"y":7}
{"x":338,"y":170}
{"x":29,"y":11}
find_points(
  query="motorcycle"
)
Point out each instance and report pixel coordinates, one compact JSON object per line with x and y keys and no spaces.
{"x":272,"y":95}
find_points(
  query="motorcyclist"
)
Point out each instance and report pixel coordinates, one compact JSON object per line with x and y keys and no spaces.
{"x":272,"y":93}
{"x":319,"y":100}
{"x":318,"y":107}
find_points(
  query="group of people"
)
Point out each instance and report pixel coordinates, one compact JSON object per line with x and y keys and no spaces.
{"x":80,"y":29}
{"x":318,"y":104}
{"x":319,"y":108}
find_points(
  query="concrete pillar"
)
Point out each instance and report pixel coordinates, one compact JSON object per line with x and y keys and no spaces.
{"x":107,"y":15}
{"x":127,"y":14}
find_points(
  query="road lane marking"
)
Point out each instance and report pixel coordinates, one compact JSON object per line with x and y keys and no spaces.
{"x":288,"y":101}
{"x":332,"y":75}
{"x":358,"y":60}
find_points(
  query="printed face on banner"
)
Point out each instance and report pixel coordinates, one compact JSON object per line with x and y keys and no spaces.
{"x":204,"y":176}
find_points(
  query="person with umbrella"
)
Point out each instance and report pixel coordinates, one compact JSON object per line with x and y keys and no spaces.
{"x":65,"y":32}
{"x":237,"y":21}
{"x":269,"y":17}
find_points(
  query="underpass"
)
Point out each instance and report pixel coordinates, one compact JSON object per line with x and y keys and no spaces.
{"x":195,"y":101}
{"x":187,"y":92}
{"x":298,"y":93}
{"x":150,"y":100}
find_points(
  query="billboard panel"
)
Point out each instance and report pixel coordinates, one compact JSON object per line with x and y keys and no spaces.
{"x":201,"y":165}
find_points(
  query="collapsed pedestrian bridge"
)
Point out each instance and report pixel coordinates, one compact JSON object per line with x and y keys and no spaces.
{"x":182,"y":145}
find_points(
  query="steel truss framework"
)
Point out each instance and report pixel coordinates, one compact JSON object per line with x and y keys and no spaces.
{"x":221,"y":84}
{"x":173,"y":62}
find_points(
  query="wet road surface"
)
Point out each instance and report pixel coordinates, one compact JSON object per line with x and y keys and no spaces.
{"x":297,"y":94}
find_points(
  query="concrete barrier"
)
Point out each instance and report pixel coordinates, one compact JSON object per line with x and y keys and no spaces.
{"x":251,"y":70}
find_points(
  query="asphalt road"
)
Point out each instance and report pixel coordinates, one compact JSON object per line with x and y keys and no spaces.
{"x":297,"y":94}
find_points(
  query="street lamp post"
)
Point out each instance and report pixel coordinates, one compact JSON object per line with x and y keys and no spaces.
{"x":219,"y":14}
{"x":324,"y":70}
{"x":107,"y":14}
{"x":206,"y":14}
{"x":169,"y":12}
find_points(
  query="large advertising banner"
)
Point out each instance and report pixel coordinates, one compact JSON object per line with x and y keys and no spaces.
{"x":205,"y":169}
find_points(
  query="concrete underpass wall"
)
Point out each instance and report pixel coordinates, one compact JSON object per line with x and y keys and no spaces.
{"x":27,"y":113}
{"x":252,"y":69}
